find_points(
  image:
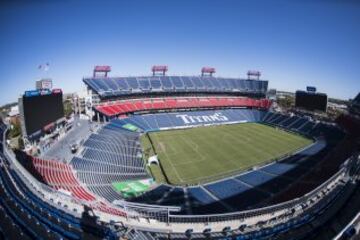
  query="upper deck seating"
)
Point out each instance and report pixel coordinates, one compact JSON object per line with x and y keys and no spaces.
{"x":119,"y":86}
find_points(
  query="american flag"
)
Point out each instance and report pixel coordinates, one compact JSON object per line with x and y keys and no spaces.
{"x":45,"y":67}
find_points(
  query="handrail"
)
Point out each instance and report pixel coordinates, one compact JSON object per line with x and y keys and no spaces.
{"x":340,"y":234}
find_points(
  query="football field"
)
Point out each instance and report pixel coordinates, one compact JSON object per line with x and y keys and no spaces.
{"x":203,"y":154}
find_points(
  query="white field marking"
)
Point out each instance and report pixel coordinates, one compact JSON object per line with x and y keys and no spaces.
{"x":172,"y":166}
{"x":209,"y":176}
{"x":256,"y":135}
{"x":195,"y":147}
{"x":196,"y":150}
{"x":293,"y":149}
{"x":202,"y":156}
{"x":248,"y":144}
{"x":175,"y":153}
{"x":223,"y":133}
{"x":247,"y":132}
{"x":279,"y":140}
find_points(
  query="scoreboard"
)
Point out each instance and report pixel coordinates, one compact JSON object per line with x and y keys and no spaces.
{"x":311,"y":101}
{"x":41,"y":109}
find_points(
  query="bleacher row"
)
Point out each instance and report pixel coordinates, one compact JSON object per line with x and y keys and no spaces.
{"x":116,"y":155}
{"x":304,"y":125}
{"x":25,"y":215}
{"x":61,"y":176}
{"x":129,"y":106}
{"x":290,"y":224}
{"x":30,"y":219}
{"x":117,"y":86}
{"x":231,"y":194}
{"x":295,"y":123}
{"x":155,"y":122}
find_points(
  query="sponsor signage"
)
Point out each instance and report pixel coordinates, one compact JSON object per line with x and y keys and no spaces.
{"x":217,"y":117}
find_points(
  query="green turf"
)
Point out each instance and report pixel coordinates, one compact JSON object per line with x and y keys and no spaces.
{"x":203,"y":154}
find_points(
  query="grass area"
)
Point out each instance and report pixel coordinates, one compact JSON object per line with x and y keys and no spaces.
{"x":148,"y":151}
{"x":203,"y":154}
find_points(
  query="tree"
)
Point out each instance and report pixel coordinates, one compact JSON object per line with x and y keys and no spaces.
{"x":20,"y":143}
{"x":15,"y":130}
{"x":68,"y":108}
{"x":286,"y":102}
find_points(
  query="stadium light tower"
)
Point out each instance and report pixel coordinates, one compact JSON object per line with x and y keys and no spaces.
{"x":162,"y":69}
{"x":253,"y":75}
{"x":101,"y":69}
{"x":207,"y":71}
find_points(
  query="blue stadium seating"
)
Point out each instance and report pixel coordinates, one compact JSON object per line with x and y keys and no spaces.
{"x":226,"y":188}
{"x":197,"y":194}
{"x":277,"y":168}
{"x":255,"y":178}
{"x":107,"y":87}
{"x":154,"y":122}
{"x":110,"y":155}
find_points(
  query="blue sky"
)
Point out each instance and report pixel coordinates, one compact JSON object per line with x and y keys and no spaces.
{"x":294,"y":43}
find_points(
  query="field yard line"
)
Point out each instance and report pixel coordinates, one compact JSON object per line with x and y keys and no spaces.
{"x":256,"y":135}
{"x":277,"y":139}
{"x":196,"y":149}
{"x":284,"y":137}
{"x":168,"y":160}
{"x":219,"y":149}
{"x":172,"y":165}
{"x":248,"y":145}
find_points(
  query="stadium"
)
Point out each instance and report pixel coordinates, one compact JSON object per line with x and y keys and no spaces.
{"x":177,"y":157}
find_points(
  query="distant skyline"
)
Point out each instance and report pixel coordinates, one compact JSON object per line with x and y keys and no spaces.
{"x":294,"y":43}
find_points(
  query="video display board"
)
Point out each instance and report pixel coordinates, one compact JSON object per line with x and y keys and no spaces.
{"x":41,"y":110}
{"x":311,"y":101}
